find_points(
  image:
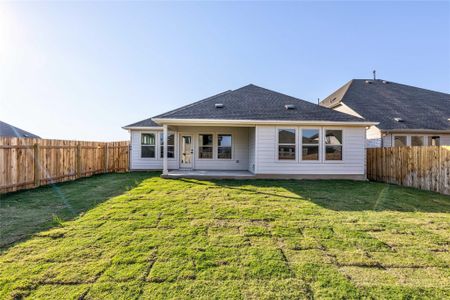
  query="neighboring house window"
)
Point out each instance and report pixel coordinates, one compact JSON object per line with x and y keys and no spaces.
{"x":434,"y":140}
{"x":286,"y":144}
{"x":148,"y":145}
{"x":224,"y":142}
{"x":417,"y":140}
{"x":170,"y":145}
{"x":333,"y":144}
{"x":205,"y":150}
{"x":400,"y":141}
{"x":310,"y":144}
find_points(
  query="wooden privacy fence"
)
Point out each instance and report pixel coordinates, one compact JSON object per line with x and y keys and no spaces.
{"x":28,"y":163}
{"x":426,"y":168}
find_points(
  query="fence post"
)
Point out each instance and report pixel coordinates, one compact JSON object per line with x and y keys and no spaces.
{"x":78,"y":160}
{"x":37,"y":165}
{"x":106,"y":158}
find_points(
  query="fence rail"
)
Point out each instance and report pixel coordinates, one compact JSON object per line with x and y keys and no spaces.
{"x":426,"y":168}
{"x":28,"y":163}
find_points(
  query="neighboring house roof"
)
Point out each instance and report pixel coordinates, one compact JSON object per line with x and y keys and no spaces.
{"x":11,"y":131}
{"x":253,"y":103}
{"x":395,"y":106}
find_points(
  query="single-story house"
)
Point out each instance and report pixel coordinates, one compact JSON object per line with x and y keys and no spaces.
{"x":407,"y":115}
{"x":252,"y":129}
{"x":8,"y":130}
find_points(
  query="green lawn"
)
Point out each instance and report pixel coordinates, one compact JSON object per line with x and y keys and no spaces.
{"x":151,"y":238}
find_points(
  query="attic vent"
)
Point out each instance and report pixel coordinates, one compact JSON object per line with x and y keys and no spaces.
{"x":385,"y":81}
{"x":218,"y":105}
{"x":289,"y":106}
{"x":399,"y":120}
{"x":369,"y":81}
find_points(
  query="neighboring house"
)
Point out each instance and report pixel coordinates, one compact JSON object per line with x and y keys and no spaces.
{"x":407,"y":115}
{"x":7,"y":130}
{"x":264,"y":132}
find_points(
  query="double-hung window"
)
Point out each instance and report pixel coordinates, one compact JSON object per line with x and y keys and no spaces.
{"x":310,"y":144}
{"x":205,"y":148}
{"x":170,"y":145}
{"x":434,"y":140}
{"x":286,"y":144}
{"x":417,"y":140}
{"x":333,"y":144}
{"x":148,"y":145}
{"x":224,"y":142}
{"x":400,"y":141}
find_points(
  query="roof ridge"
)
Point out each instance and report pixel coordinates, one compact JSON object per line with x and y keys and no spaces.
{"x":192,"y":104}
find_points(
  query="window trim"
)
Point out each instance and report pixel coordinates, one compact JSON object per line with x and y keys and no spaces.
{"x":408,"y":140}
{"x":175,"y":137}
{"x":319,"y":145}
{"x":277,"y":154}
{"x":324,"y":146}
{"x":430,"y":137}
{"x":216,"y":152}
{"x":199,"y":145}
{"x":424,"y":140}
{"x":154,"y":145}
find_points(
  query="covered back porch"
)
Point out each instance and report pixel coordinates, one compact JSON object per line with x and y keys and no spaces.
{"x":210,"y":151}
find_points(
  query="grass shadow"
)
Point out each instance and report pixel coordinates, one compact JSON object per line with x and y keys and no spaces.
{"x":345,"y":195}
{"x":27,"y":212}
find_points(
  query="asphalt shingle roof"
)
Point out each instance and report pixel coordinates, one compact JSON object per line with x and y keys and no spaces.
{"x":254,"y":103}
{"x":12,"y":131}
{"x":144,"y":123}
{"x":383,"y":101}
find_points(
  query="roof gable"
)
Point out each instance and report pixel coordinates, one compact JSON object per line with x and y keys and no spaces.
{"x":383,"y":101}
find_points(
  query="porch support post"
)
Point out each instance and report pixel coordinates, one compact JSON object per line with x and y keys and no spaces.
{"x":165,"y":166}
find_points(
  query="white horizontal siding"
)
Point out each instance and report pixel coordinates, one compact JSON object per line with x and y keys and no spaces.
{"x":353,"y":154}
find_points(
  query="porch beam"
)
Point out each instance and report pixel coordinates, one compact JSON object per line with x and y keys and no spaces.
{"x":165,"y":165}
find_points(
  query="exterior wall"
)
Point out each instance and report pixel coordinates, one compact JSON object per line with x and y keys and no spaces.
{"x":139,"y":163}
{"x":251,"y":150}
{"x":388,"y":139}
{"x":353,"y":162}
{"x":373,"y":137}
{"x":240,"y":148}
{"x":347,"y":110}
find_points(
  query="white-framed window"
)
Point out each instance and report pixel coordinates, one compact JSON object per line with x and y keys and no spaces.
{"x":434,"y":140}
{"x":310,"y":144}
{"x":286,"y":144}
{"x":400,"y":141}
{"x":417,"y":140}
{"x":224,"y":146}
{"x":148,"y":145}
{"x":170,"y":145}
{"x":333,"y":144}
{"x":205,"y":146}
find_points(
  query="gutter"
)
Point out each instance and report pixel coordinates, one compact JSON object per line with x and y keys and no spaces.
{"x":250,"y":123}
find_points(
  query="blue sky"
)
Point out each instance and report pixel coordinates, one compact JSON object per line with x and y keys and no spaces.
{"x":82,"y":70}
